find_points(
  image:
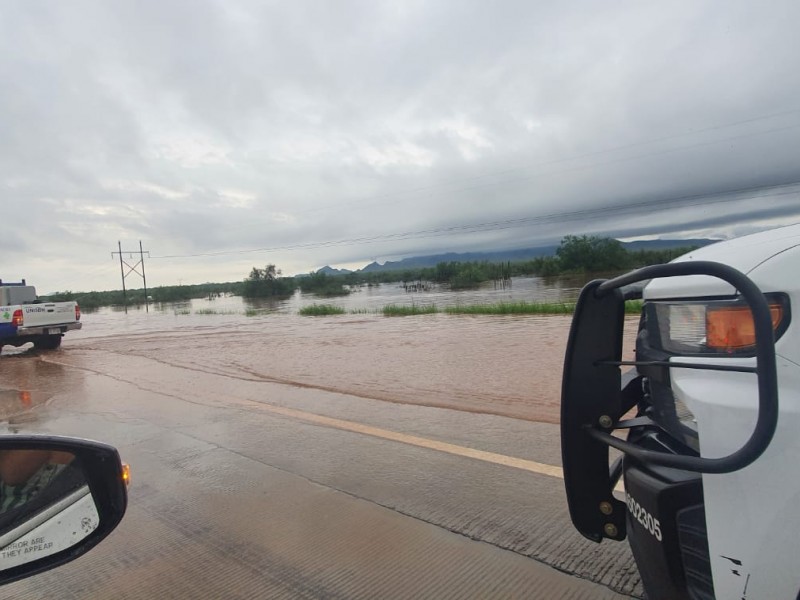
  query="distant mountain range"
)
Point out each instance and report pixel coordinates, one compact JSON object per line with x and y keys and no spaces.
{"x":431,"y":260}
{"x":328,"y":270}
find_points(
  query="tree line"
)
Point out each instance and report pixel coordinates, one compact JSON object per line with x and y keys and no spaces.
{"x":575,"y":254}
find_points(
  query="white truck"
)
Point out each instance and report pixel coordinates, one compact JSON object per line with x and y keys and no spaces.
{"x":25,"y":319}
{"x":704,"y":425}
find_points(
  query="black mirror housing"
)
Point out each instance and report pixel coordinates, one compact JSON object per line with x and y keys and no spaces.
{"x":97,"y":482}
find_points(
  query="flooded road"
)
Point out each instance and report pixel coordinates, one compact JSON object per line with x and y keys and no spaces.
{"x":504,"y":365}
{"x":348,"y":456}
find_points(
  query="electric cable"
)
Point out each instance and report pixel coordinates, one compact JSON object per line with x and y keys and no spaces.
{"x":564,"y":216}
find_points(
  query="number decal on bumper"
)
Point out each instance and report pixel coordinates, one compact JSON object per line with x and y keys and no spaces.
{"x":646,"y":520}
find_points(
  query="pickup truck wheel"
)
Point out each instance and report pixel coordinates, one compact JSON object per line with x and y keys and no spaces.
{"x":48,"y":342}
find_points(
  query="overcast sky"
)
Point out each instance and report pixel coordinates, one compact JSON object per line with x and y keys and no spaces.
{"x":227,"y":134}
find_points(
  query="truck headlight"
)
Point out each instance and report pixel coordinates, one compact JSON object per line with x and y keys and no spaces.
{"x":710,"y":326}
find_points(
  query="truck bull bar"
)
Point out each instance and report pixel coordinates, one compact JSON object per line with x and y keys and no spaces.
{"x":593,"y":399}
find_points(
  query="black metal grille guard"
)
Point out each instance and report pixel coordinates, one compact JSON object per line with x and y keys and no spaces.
{"x":592,"y":401}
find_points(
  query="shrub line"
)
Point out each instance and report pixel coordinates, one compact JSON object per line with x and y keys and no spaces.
{"x":501,"y":308}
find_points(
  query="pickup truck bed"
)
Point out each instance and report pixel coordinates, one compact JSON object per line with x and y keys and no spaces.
{"x":29,"y":320}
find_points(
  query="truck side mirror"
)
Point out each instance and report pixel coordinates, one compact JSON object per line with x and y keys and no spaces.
{"x":59,"y":497}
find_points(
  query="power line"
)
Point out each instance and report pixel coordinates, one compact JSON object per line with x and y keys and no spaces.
{"x":624,"y":159}
{"x":371,"y":201}
{"x":564,"y":216}
{"x":510,"y":181}
{"x":375,"y":200}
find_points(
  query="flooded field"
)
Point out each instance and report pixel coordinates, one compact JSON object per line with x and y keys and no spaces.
{"x":370,"y":299}
{"x":504,"y":365}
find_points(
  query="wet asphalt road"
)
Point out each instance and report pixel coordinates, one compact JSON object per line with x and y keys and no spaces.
{"x":254,"y":489}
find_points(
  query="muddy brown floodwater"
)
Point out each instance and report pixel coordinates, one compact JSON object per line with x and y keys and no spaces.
{"x":286,"y":456}
{"x":504,"y":365}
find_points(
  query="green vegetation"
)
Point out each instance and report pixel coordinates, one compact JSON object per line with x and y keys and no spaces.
{"x":590,"y":254}
{"x":462,"y":276}
{"x":529,"y":308}
{"x":266,"y":282}
{"x":576,"y":254}
{"x":513,"y":308}
{"x":399,"y":310}
{"x":321,"y":310}
{"x":501,"y":308}
{"x":633,"y":307}
{"x":176,"y":293}
{"x":468,"y":277}
{"x":94,"y":300}
{"x":172,"y":293}
{"x":323,"y":285}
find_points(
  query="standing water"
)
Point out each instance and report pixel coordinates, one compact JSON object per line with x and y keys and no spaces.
{"x":507,"y":365}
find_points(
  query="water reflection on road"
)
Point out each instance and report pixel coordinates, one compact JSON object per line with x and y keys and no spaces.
{"x":28,"y":383}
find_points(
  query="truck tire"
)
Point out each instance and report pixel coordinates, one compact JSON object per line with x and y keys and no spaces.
{"x":48,"y":342}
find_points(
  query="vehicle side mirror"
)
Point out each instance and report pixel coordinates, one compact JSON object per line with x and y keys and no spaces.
{"x":59,"y":497}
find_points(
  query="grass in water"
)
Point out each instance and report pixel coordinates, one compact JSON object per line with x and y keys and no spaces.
{"x":321,"y":310}
{"x":633,"y":307}
{"x":529,"y":308}
{"x":399,"y":310}
{"x":513,"y":308}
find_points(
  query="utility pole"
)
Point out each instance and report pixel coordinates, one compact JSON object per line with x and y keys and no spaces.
{"x":132,"y":269}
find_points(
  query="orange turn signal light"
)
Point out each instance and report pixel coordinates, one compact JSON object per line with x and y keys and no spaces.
{"x":126,"y":473}
{"x":730,"y":328}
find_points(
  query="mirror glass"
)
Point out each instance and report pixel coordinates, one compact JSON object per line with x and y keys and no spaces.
{"x":45,"y":505}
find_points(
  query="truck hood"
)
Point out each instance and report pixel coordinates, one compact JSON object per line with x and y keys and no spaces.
{"x":746,"y":254}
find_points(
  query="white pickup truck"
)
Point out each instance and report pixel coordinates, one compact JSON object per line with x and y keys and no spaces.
{"x":710,"y":459}
{"x":25,"y":319}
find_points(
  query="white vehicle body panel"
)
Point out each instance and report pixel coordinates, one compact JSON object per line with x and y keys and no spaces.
{"x":52,"y":313}
{"x":752,"y":515}
{"x":744,"y":254}
{"x":38,"y":318}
